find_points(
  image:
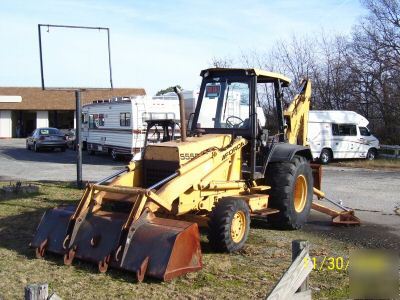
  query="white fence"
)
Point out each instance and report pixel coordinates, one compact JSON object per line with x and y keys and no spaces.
{"x":394,"y":151}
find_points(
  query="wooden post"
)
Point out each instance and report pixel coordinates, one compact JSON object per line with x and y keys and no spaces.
{"x":294,"y":283}
{"x":297,"y":247}
{"x":37,"y":291}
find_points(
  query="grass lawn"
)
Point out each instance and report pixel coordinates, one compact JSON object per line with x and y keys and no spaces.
{"x":249,"y":274}
{"x":378,"y":164}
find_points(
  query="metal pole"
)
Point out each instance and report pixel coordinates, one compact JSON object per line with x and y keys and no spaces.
{"x":182,"y":113}
{"x":78,"y":137}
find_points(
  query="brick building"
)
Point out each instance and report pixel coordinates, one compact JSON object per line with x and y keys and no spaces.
{"x":25,"y":108}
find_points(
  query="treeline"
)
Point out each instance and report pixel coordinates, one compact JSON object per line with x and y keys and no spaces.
{"x":359,"y":72}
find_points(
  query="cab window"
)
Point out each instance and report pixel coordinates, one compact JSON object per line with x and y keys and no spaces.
{"x":225,"y":104}
{"x":364,"y":131}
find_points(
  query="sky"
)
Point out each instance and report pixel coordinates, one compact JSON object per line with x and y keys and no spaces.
{"x":154,"y":44}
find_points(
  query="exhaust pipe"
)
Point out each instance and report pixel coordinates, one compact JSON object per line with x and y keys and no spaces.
{"x":182,"y":113}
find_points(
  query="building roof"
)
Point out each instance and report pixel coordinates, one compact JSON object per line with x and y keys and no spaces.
{"x":34,"y":98}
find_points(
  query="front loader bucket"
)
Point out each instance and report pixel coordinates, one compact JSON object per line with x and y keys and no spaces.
{"x":95,"y":238}
{"x":161,"y":248}
{"x":52,"y":229}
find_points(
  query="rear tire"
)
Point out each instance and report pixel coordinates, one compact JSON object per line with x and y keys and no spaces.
{"x":229,"y":225}
{"x":371,"y":154}
{"x":325,"y":157}
{"x":291,"y":192}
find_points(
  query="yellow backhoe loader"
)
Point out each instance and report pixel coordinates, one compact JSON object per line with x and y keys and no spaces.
{"x":145,"y":218}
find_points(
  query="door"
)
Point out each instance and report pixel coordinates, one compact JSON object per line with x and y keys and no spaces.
{"x":365,"y":141}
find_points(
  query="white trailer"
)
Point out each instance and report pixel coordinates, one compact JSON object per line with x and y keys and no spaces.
{"x":340,"y":135}
{"x":118,"y":126}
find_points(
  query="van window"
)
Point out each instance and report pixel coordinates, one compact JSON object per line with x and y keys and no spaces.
{"x":344,"y":129}
{"x":364,"y":131}
{"x":125,"y":119}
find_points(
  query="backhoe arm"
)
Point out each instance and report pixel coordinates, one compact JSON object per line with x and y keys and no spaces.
{"x":296,"y":115}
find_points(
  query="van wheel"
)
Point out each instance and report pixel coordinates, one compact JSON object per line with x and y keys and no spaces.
{"x":325,"y":156}
{"x":291,"y":192}
{"x":371,"y":155}
{"x":229,"y":225}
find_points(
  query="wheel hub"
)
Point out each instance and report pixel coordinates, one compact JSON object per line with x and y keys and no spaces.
{"x":238,"y":226}
{"x":300,"y":193}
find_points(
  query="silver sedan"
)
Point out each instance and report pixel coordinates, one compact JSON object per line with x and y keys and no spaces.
{"x":49,"y":138}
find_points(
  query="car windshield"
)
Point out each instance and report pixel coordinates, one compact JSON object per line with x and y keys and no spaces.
{"x":225,"y":104}
{"x":49,"y":131}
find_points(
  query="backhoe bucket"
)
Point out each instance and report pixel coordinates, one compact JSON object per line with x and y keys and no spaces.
{"x":52,"y":229}
{"x":161,"y":248}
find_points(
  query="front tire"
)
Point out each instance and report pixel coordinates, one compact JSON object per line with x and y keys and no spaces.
{"x":325,"y":157}
{"x":229,"y":225}
{"x":291,"y":192}
{"x":371,"y":154}
{"x":27,"y":146}
{"x":35,"y":147}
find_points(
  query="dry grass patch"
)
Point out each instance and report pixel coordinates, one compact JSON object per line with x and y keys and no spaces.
{"x":377,"y":164}
{"x":249,"y":274}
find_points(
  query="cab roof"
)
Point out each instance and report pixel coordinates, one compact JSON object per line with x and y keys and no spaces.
{"x":262,"y":76}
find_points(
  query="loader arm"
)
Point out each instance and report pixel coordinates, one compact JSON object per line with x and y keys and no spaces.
{"x":296,"y":115}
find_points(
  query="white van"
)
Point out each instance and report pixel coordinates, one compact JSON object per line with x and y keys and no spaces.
{"x":340,"y":134}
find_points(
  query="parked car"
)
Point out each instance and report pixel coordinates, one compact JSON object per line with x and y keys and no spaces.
{"x":49,"y":138}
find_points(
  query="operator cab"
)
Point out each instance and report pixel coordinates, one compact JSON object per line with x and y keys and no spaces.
{"x":230,"y":103}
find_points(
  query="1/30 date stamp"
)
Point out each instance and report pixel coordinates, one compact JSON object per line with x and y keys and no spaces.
{"x":330,"y":263}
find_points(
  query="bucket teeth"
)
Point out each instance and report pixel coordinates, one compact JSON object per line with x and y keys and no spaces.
{"x":103,"y":264}
{"x":142,"y":270}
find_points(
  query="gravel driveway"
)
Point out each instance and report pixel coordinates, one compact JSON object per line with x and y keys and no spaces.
{"x":17,"y":163}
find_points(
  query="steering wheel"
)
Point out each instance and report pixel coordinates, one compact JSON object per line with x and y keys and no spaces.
{"x":231,"y":125}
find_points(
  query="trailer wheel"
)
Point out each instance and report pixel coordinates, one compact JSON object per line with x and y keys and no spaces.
{"x":291,"y":192}
{"x":325,"y":157}
{"x":114,"y":155}
{"x":229,"y":224}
